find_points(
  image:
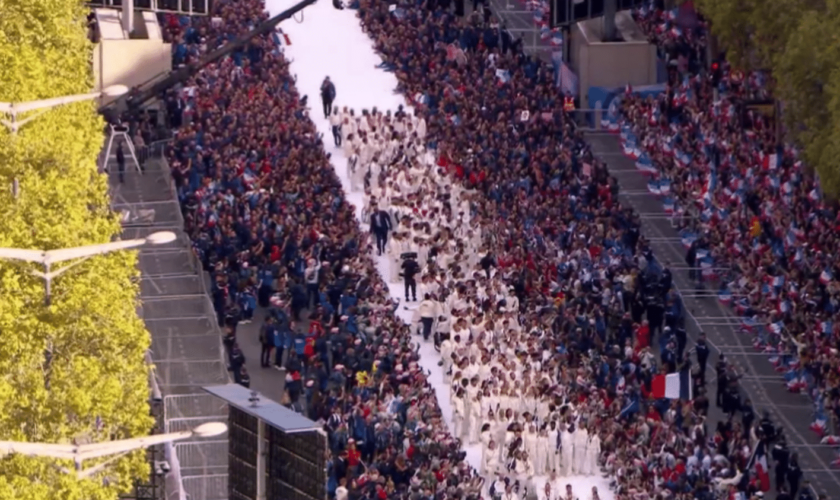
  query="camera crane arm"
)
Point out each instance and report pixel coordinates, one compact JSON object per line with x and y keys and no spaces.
{"x":136,"y":100}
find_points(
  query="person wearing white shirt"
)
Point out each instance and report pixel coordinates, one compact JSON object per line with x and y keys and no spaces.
{"x":375,"y":170}
{"x":420,"y":128}
{"x":428,"y":311}
{"x":443,"y":325}
{"x":458,"y":413}
{"x":341,"y":493}
{"x":366,"y":153}
{"x":475,"y":415}
{"x":348,"y":127}
{"x":593,"y":452}
{"x":353,"y":171}
{"x":567,"y":446}
{"x":581,"y":439}
{"x":364,"y":124}
{"x":531,"y":444}
{"x":490,"y":459}
{"x":509,"y":494}
{"x":335,"y":125}
{"x":446,"y":348}
{"x":548,"y":492}
{"x":395,"y":248}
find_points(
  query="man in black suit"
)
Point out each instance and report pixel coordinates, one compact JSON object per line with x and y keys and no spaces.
{"x":380,"y":224}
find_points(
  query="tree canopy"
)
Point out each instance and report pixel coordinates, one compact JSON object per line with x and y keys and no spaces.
{"x":93,"y":384}
{"x":798,"y":42}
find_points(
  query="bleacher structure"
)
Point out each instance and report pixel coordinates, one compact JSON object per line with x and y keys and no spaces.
{"x":186,"y":341}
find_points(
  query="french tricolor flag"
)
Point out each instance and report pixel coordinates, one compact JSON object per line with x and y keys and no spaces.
{"x":725,"y":297}
{"x":784,"y":306}
{"x":653,"y":188}
{"x":557,"y":39}
{"x":707,"y":268}
{"x":826,"y":327}
{"x":790,"y":238}
{"x":668,"y":147}
{"x":668,"y":206}
{"x":758,"y":464}
{"x":664,"y":187}
{"x":503,"y":75}
{"x":645,"y":165}
{"x":631,"y":150}
{"x":688,"y":239}
{"x":770,"y":162}
{"x":748,"y":324}
{"x":826,"y":277}
{"x":545,"y":33}
{"x":672,"y":386}
{"x":683,"y":158}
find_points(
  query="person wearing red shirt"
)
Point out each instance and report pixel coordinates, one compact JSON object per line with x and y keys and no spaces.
{"x":643,"y":335}
{"x":354,"y":456}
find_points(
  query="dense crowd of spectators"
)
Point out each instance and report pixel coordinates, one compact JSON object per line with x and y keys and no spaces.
{"x":269,"y":221}
{"x":713,"y":139}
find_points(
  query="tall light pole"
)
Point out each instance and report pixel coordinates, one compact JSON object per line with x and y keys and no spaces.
{"x":14,"y":109}
{"x":78,"y":454}
{"x":49,"y":257}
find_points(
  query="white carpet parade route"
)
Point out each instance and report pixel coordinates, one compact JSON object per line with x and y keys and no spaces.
{"x":329,"y":42}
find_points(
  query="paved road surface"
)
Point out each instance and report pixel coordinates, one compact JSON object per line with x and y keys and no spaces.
{"x":761,"y":383}
{"x":267,"y":381}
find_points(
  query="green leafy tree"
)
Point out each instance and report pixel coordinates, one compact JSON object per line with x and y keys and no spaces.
{"x":808,"y":83}
{"x":798,"y":42}
{"x":753,"y":31}
{"x":73,"y":371}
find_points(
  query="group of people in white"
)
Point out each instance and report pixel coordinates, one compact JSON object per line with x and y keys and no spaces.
{"x":502,"y":392}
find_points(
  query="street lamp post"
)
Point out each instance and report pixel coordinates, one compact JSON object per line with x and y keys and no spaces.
{"x":13,"y":109}
{"x":78,"y":454}
{"x":47,"y":258}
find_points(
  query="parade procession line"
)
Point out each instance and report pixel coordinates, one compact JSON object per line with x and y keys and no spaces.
{"x":329,"y":42}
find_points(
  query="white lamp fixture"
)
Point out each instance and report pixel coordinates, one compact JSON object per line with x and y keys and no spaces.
{"x":13,"y":109}
{"x":78,"y":454}
{"x":47,"y":258}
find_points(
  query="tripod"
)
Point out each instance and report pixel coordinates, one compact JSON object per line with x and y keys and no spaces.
{"x":119,"y":132}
